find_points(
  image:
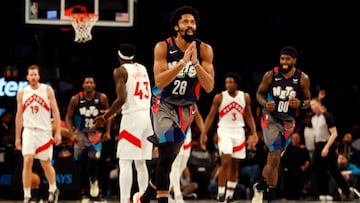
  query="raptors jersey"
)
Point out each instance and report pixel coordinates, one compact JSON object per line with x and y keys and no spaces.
{"x":138,"y":89}
{"x":232,"y":110}
{"x":36,"y":108}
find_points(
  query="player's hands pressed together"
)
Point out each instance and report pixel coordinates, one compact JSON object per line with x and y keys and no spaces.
{"x":189,"y":53}
{"x":194,"y":58}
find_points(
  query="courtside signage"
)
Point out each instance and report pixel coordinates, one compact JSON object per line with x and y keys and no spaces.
{"x":10,"y":88}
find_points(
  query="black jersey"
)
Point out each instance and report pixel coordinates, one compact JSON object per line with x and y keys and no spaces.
{"x":185,"y":89}
{"x":281,"y":89}
{"x":86,"y":112}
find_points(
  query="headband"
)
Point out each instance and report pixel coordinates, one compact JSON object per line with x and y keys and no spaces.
{"x":291,"y":51}
{"x":125,"y":57}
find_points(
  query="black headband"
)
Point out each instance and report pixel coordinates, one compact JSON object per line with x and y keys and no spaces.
{"x":291,"y":51}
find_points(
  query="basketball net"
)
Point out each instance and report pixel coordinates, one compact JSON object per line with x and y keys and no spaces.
{"x":82,"y":24}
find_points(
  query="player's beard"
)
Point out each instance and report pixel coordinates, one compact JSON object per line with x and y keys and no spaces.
{"x":284,"y":71}
{"x":189,"y":38}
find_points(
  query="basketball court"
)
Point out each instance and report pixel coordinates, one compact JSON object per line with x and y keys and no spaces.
{"x":192,"y":201}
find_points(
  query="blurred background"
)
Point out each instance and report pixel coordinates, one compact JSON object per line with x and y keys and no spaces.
{"x":246,"y":37}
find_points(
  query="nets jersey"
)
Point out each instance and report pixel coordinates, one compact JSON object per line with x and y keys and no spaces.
{"x":138,"y":89}
{"x":184,"y":90}
{"x":36,"y":108}
{"x":281,"y":89}
{"x":232,"y":110}
{"x":87,"y":111}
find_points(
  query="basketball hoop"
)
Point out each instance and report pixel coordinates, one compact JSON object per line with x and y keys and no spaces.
{"x":82,"y":24}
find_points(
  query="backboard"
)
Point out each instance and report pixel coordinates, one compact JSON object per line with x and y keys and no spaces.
{"x":112,"y":13}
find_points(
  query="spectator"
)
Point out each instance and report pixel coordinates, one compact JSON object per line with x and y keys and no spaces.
{"x":7,"y":133}
{"x":309,"y":134}
{"x":346,"y":147}
{"x":295,"y":162}
{"x":349,"y":171}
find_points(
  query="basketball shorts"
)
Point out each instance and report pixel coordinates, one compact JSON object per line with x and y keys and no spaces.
{"x":37,"y":142}
{"x":232,"y":141}
{"x":277,"y":133}
{"x":172,"y":122}
{"x":132,"y":144}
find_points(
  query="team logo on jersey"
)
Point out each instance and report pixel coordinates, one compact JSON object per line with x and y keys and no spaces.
{"x":284,"y":93}
{"x":188,"y":70}
{"x":92,"y":111}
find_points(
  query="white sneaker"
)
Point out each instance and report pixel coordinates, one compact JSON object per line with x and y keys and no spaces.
{"x":27,"y":199}
{"x":329,"y":198}
{"x":258,"y":195}
{"x":85,"y":200}
{"x":53,"y":196}
{"x":322,"y":197}
{"x":137,"y":196}
{"x":94,"y":188}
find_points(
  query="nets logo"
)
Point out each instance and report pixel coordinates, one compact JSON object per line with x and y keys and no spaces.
{"x":10,"y":88}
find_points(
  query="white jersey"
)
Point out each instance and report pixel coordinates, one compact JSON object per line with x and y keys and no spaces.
{"x":232,"y":110}
{"x":138,"y":89}
{"x":36,"y":108}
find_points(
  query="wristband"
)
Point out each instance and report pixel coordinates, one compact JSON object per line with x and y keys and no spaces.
{"x":196,"y":63}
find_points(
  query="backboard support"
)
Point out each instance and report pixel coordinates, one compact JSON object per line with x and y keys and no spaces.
{"x":112,"y":13}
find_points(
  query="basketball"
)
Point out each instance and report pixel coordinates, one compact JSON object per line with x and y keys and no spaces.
{"x":35,"y":181}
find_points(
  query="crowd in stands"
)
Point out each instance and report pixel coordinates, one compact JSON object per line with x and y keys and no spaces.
{"x":295,"y":181}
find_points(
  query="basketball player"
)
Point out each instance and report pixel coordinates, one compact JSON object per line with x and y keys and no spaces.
{"x":234,"y":109}
{"x":80,"y":118}
{"x":282,"y":92}
{"x":36,"y":103}
{"x":182,"y":65}
{"x":133,"y":90}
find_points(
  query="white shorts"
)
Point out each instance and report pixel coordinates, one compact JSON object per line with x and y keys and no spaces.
{"x":232,"y":141}
{"x":186,"y":146}
{"x":37,"y":142}
{"x":132,"y":143}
